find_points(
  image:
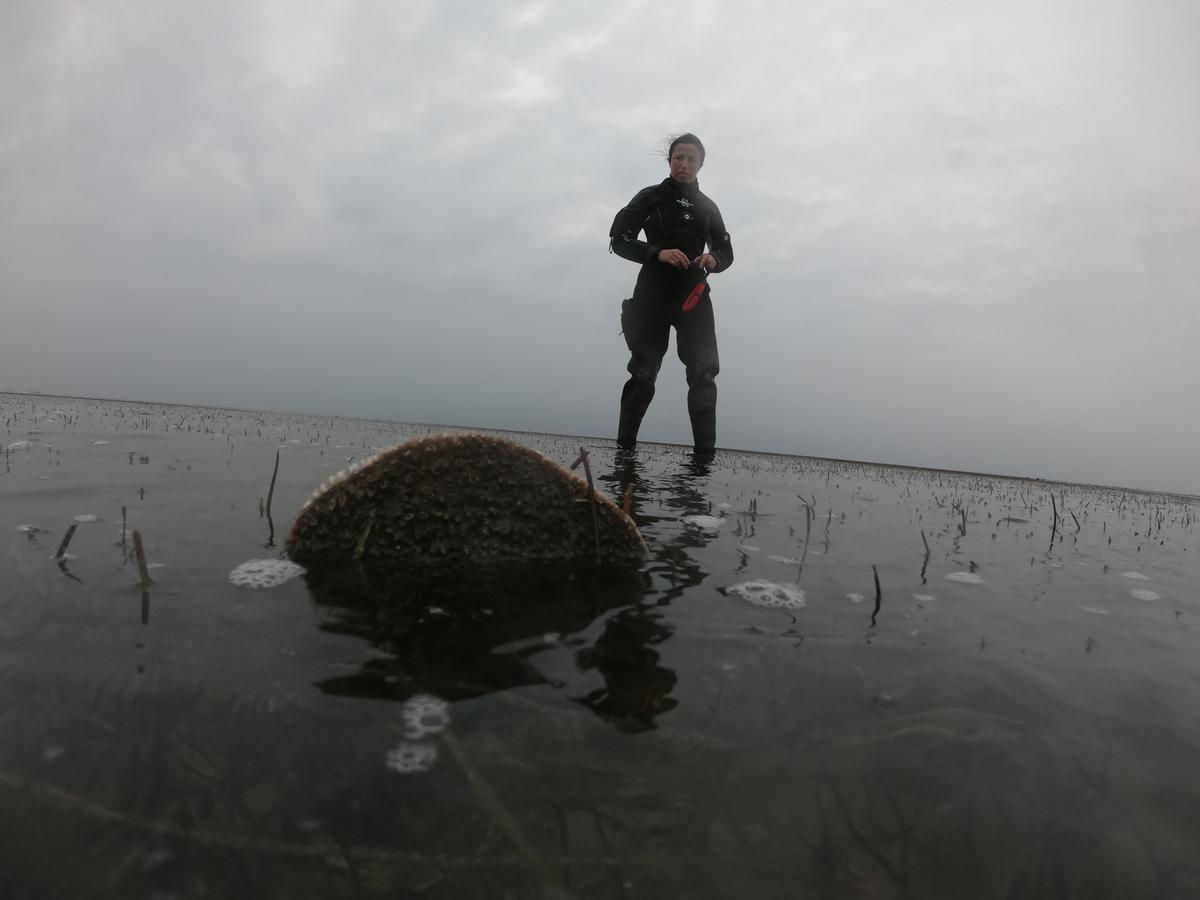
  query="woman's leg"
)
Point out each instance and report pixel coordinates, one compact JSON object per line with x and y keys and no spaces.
{"x":647,"y":332}
{"x":696,"y":339}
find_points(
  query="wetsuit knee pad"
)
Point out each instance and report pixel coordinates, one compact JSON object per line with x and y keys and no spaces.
{"x":703,"y":364}
{"x":644,"y":369}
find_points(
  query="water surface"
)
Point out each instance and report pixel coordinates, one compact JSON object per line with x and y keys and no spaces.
{"x":1007,"y":711}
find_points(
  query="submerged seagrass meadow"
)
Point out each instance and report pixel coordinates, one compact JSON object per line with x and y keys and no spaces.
{"x":828,"y":679}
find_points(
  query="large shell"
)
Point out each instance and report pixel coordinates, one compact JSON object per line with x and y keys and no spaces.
{"x":469,"y":498}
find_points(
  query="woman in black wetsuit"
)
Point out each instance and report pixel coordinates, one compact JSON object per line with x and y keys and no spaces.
{"x":679,"y":222}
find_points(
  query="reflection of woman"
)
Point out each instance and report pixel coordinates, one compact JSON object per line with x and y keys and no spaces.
{"x":679,"y":223}
{"x":636,"y":686}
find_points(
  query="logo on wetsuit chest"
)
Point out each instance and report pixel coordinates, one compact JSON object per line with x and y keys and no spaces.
{"x":686,"y":204}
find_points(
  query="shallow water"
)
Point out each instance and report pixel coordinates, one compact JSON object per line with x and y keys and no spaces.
{"x":1009,"y":714}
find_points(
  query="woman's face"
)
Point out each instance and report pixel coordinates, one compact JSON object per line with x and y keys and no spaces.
{"x":685,"y":163}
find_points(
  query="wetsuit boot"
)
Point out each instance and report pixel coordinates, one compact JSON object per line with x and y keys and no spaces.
{"x":704,"y":433}
{"x":627,"y":431}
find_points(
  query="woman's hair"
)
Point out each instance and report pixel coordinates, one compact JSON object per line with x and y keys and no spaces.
{"x":686,"y":138}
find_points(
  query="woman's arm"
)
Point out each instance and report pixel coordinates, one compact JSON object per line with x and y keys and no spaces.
{"x":719,"y":245}
{"x":623,"y":236}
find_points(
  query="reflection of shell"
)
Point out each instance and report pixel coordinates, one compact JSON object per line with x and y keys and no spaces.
{"x":463,"y":499}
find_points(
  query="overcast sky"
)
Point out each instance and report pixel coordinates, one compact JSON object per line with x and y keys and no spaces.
{"x":967,"y":234}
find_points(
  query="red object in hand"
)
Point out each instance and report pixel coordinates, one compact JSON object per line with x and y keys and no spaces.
{"x":697,"y":292}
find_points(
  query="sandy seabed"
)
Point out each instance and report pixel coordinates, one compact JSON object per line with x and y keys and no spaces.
{"x":828,"y":679}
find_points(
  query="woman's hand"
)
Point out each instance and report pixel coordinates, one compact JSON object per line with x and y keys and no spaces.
{"x":676,"y":258}
{"x":705,"y":261}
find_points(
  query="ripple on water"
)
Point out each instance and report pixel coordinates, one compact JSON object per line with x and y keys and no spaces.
{"x":265,"y":573}
{"x":965,"y":578}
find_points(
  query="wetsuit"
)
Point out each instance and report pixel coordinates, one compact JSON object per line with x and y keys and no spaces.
{"x":673,"y":216}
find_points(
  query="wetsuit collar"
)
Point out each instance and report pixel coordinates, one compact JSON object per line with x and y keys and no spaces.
{"x":688,"y":190}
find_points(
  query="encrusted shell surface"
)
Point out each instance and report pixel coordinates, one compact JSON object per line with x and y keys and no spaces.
{"x":468,"y":498}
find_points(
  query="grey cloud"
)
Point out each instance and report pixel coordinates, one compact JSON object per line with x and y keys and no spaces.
{"x":964,"y":233}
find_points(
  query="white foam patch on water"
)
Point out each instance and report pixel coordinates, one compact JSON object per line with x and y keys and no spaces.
{"x":265,"y":573}
{"x":99,"y":443}
{"x":85,"y":517}
{"x":707,"y":523}
{"x":924,"y":598}
{"x":768,"y":594}
{"x":412,"y":758}
{"x":1095,"y":611}
{"x":786,"y":560}
{"x":28,"y":529}
{"x":1135,"y":576}
{"x":18,"y":445}
{"x":424,"y":714}
{"x":1143,"y":594}
{"x":965,"y":577}
{"x":855,"y":598}
{"x":748,"y":548}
